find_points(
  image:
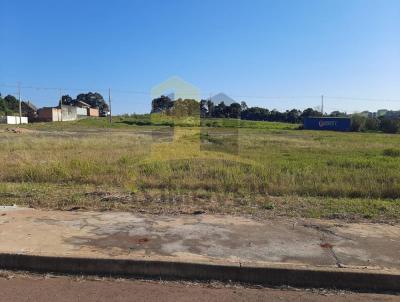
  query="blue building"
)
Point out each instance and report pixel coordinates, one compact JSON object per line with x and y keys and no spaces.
{"x":327,"y":123}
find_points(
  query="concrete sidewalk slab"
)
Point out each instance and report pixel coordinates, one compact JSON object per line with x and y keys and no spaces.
{"x":204,"y":239}
{"x":199,"y":237}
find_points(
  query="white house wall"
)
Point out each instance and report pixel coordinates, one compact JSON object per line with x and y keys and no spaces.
{"x":13,"y":120}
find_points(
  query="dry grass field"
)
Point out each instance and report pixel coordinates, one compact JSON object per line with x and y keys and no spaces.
{"x":262,"y":170}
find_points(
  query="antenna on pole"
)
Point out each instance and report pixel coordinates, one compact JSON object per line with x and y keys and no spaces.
{"x":322,"y":104}
{"x":19,"y":101}
{"x":109,"y":104}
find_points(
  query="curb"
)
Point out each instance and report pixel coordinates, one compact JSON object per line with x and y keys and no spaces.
{"x":358,"y":280}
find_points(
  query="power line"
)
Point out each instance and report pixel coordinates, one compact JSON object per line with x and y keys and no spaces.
{"x":362,"y":99}
{"x":276,"y":97}
{"x":75,"y":89}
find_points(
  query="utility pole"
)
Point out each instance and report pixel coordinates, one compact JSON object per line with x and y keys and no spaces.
{"x":210,"y":111}
{"x":322,"y":104}
{"x":61,"y":112}
{"x":19,"y":101}
{"x":109,"y":104}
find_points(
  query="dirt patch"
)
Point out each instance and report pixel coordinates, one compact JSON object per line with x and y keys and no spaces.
{"x":123,"y":241}
{"x":18,"y":130}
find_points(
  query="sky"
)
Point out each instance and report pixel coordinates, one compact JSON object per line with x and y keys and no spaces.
{"x":279,"y":54}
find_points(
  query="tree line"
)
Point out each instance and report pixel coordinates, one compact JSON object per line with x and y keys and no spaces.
{"x":360,"y":123}
{"x":9,"y":105}
{"x":208,"y":109}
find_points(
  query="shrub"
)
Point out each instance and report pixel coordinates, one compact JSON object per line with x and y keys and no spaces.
{"x":358,"y":123}
{"x":391,"y":152}
{"x":390,"y":126}
{"x":372,"y":124}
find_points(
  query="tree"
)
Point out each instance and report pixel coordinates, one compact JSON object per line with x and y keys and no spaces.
{"x":95,"y":100}
{"x":372,"y":124}
{"x":203,"y":108}
{"x":12,"y":104}
{"x":67,"y":100}
{"x":9,"y":105}
{"x":2,"y":105}
{"x":309,"y":112}
{"x":293,"y":116}
{"x":357,"y":123}
{"x":211,"y":108}
{"x":337,"y":114}
{"x":390,"y":126}
{"x":161,"y":104}
{"x":255,"y":114}
{"x":234,"y":110}
{"x":187,"y":107}
{"x":220,"y":110}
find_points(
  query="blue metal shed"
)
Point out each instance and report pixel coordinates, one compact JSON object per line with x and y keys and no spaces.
{"x":327,"y":123}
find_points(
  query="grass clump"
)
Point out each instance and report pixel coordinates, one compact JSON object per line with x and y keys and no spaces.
{"x":391,"y":152}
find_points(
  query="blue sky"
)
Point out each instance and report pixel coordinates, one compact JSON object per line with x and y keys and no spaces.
{"x":276,"y":54}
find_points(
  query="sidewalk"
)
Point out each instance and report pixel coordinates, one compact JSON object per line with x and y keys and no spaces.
{"x":206,"y":239}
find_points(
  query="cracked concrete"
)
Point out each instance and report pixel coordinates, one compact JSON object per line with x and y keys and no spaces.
{"x":203,"y":238}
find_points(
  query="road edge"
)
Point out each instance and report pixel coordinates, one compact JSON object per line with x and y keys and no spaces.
{"x":359,"y":280}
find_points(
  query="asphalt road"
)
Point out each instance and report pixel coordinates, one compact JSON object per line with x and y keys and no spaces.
{"x":39,"y":288}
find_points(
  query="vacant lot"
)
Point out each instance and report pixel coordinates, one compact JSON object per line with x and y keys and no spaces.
{"x":259,"y":169}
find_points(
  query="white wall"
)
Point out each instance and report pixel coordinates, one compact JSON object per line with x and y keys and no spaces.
{"x":13,"y":120}
{"x":69,"y":113}
{"x":81,"y":111}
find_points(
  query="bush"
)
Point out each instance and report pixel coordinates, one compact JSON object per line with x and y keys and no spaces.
{"x":372,"y":124}
{"x":358,"y":123}
{"x":390,"y":126}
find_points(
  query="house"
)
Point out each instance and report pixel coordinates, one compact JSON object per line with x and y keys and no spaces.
{"x":93,"y":112}
{"x":82,"y":109}
{"x":49,"y":114}
{"x":29,"y":110}
{"x":82,"y":104}
{"x":63,"y":112}
{"x":57,"y":114}
{"x":69,"y":113}
{"x":86,"y":109}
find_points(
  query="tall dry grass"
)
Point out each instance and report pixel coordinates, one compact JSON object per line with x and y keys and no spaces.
{"x":269,"y":161}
